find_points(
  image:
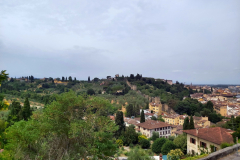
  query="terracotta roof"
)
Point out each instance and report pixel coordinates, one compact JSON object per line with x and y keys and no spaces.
{"x":216,"y":135}
{"x":150,"y":114}
{"x":178,"y":132}
{"x":131,"y":121}
{"x":154,"y":104}
{"x":183,"y":116}
{"x":151,"y":124}
{"x":112,"y":118}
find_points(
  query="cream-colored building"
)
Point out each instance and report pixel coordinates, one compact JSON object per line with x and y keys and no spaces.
{"x":207,"y":138}
{"x":150,"y":126}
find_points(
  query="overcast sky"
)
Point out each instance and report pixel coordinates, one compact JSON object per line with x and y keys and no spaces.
{"x":194,"y":41}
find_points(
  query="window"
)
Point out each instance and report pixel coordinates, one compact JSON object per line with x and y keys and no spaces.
{"x":192,"y":140}
{"x":202,"y":144}
{"x":168,"y":131}
{"x":160,"y":133}
{"x":163,"y":132}
{"x":213,"y":148}
{"x":166,"y":136}
{"x":160,"y":128}
{"x":155,"y":129}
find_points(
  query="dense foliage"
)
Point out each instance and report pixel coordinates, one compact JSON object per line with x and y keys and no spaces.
{"x":157,"y":145}
{"x":72,"y":127}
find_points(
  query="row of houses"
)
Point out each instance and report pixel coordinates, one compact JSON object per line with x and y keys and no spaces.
{"x":176,"y":119}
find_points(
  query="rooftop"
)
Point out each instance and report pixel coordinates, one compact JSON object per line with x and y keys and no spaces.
{"x":151,"y":124}
{"x":215,"y":135}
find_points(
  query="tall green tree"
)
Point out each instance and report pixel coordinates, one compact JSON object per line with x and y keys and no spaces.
{"x":186,"y":123}
{"x":142,"y":117}
{"x":181,"y":142}
{"x":157,"y":145}
{"x":70,"y":79}
{"x":129,"y":136}
{"x":155,"y":135}
{"x":136,"y":110}
{"x":209,"y":105}
{"x":191,"y":124}
{"x":3,"y":76}
{"x":15,"y":114}
{"x":167,"y":147}
{"x":26,"y":110}
{"x":147,"y":106}
{"x":120,"y":123}
{"x":129,"y":110}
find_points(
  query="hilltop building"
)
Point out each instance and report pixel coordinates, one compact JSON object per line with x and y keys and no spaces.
{"x":208,"y":138}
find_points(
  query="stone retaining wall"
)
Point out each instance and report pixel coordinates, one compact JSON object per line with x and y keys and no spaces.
{"x":222,"y":153}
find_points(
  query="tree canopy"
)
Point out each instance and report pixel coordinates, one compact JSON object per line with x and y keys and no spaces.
{"x":72,"y":127}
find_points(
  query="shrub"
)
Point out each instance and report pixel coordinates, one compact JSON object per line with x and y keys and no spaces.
{"x":140,"y":137}
{"x":175,"y":154}
{"x":90,"y":91}
{"x":225,"y":145}
{"x":119,"y":142}
{"x":145,"y":144}
{"x":167,"y":147}
{"x":171,"y":138}
{"x":155,"y":135}
{"x":131,"y":145}
{"x":157,"y":145}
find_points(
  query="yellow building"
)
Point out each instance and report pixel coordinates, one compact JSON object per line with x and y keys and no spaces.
{"x":156,"y":108}
{"x":208,"y":138}
{"x":171,"y":119}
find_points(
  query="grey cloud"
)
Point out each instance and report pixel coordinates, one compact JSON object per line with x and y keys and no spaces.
{"x":99,"y":38}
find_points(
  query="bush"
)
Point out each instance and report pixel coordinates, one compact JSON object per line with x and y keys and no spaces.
{"x":119,"y":142}
{"x":131,"y":145}
{"x":167,"y":147}
{"x":157,"y":145}
{"x":140,"y":137}
{"x":145,"y":144}
{"x":225,"y":145}
{"x":155,"y":135}
{"x":90,"y":91}
{"x":175,"y":154}
{"x":171,"y":138}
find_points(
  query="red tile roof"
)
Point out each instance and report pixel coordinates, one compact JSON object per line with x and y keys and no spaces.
{"x":215,"y":135}
{"x":151,"y":124}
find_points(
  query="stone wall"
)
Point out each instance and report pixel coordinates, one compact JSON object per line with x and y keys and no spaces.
{"x":222,"y":153}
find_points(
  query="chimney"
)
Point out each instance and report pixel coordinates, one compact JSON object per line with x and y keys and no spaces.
{"x":160,"y":156}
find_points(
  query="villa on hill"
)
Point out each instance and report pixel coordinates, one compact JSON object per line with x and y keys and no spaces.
{"x":208,"y":138}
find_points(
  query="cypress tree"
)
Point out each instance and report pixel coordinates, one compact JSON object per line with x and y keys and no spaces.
{"x":191,"y":125}
{"x":26,"y":110}
{"x":147,"y":106}
{"x":120,"y":122}
{"x":136,"y":110}
{"x":186,"y":124}
{"x":88,"y":79}
{"x":142,"y":117}
{"x":129,"y":110}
